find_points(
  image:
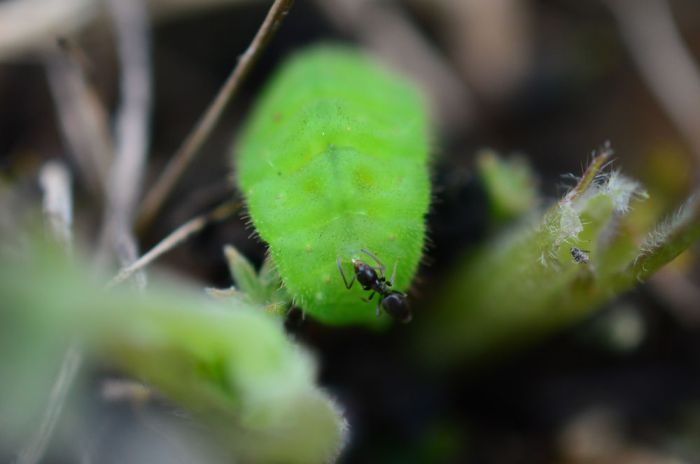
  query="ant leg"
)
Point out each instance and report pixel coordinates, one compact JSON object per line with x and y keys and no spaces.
{"x":376,"y":260}
{"x":367,"y":300}
{"x":342,"y":274}
{"x":379,"y":308}
{"x":393,"y":275}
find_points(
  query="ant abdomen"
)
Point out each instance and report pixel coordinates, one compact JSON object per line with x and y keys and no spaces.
{"x":396,"y":305}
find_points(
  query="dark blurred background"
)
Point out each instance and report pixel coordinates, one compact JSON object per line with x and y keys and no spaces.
{"x":548,"y":79}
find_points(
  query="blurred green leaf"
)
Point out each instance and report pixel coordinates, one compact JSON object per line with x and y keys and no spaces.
{"x":263,"y":289}
{"x":510,"y":184}
{"x":243,"y":273}
{"x":664,"y":243}
{"x":236,"y":371}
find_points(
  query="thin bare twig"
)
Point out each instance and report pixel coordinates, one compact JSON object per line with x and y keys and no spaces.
{"x":55,"y":181}
{"x":36,"y":447}
{"x":131,"y":138}
{"x":190,"y":147}
{"x":81,"y":116}
{"x":664,"y":62}
{"x":133,"y":117}
{"x":176,"y":237}
{"x":58,"y":208}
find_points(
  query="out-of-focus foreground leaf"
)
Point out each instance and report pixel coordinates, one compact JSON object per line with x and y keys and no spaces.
{"x":511,"y":184}
{"x":232,"y":368}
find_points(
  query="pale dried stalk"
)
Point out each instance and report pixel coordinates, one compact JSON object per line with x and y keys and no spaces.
{"x":26,"y":25}
{"x":55,"y":181}
{"x":81,"y":116}
{"x":132,"y":128}
{"x":133,"y":116}
{"x":36,"y":447}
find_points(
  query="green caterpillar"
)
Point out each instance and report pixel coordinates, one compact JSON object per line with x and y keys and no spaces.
{"x":333,"y":161}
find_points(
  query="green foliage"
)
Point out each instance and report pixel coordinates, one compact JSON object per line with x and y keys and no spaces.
{"x":332,"y":161}
{"x":510,"y":183}
{"x":526,"y":282}
{"x":664,"y":243}
{"x":36,"y":320}
{"x":262,"y":289}
{"x":232,"y":366}
{"x":244,"y":377}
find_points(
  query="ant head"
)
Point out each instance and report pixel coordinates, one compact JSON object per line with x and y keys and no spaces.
{"x":359,"y":265}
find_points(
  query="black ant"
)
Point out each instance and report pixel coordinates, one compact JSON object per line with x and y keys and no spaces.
{"x":393,"y":302}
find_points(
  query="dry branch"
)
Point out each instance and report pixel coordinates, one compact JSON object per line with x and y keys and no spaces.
{"x":26,"y":25}
{"x":176,"y":237}
{"x":55,"y":181}
{"x":81,"y":116}
{"x":131,"y":138}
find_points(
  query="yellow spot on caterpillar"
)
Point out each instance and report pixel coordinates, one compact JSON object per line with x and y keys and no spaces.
{"x":363,"y":178}
{"x":392,"y":237}
{"x":326,"y":279}
{"x":308,"y":248}
{"x":319,"y":296}
{"x":312,"y":186}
